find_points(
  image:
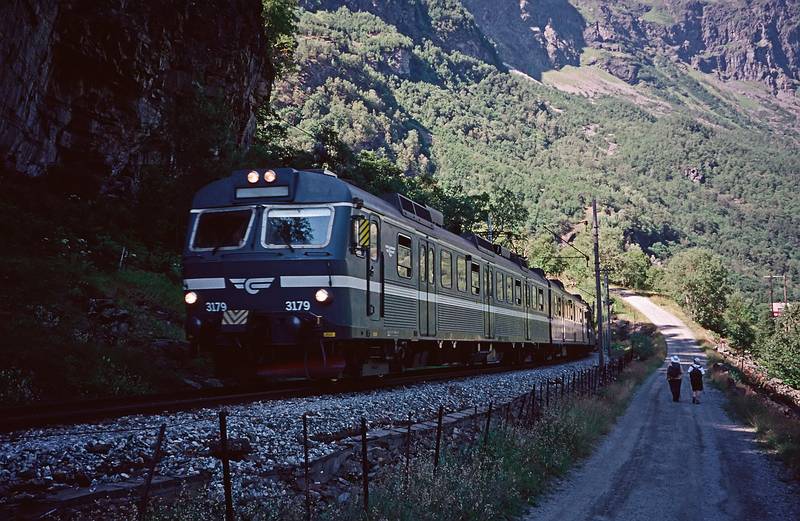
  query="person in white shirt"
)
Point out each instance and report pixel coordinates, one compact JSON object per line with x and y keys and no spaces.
{"x":696,"y":373}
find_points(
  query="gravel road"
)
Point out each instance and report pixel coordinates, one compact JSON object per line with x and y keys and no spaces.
{"x":668,"y":460}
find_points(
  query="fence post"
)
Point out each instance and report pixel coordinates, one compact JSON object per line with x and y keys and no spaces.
{"x":226,"y":466}
{"x":438,"y":440}
{"x":151,"y":472}
{"x":547,"y":396}
{"x":488,"y":422}
{"x":305,"y":466}
{"x":364,"y":463}
{"x":408,"y":452}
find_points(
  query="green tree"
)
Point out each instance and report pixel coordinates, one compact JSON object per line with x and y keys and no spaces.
{"x":739,"y":322}
{"x":544,"y":253}
{"x":634,"y":268}
{"x":699,"y":281}
{"x":280,"y":27}
{"x":780,"y":352}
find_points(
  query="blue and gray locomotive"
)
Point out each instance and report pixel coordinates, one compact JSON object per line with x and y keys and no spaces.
{"x":299,"y":273}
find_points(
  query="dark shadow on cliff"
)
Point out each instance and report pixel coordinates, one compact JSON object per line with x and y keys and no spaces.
{"x":532,"y":37}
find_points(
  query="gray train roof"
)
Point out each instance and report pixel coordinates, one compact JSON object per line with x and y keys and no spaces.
{"x":316,"y":186}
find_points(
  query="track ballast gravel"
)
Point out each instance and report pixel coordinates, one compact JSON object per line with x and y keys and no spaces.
{"x":37,"y":461}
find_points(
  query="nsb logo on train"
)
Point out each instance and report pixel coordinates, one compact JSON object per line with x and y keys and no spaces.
{"x":299,"y":273}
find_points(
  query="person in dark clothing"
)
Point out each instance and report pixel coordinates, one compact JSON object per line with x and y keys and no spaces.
{"x":674,"y":374}
{"x":696,"y":373}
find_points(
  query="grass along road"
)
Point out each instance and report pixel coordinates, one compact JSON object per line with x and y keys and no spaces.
{"x":674,"y":461}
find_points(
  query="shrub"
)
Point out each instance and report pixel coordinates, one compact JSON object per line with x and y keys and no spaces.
{"x":642,"y":345}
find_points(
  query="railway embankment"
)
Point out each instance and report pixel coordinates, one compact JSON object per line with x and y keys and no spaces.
{"x":88,"y":462}
{"x":492,"y":458}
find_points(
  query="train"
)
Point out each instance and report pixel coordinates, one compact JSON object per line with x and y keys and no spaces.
{"x":298,"y":273}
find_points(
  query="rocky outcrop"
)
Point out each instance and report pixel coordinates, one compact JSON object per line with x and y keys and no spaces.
{"x":88,"y":86}
{"x":531,"y":35}
{"x":757,"y":40}
{"x":449,"y":27}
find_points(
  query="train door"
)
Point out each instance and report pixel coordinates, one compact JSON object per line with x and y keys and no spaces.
{"x":487,"y":301}
{"x":427,"y":288}
{"x":375,"y":270}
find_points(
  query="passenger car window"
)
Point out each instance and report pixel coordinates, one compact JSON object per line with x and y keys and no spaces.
{"x":446,"y":269}
{"x":461,"y":273}
{"x":509,"y":289}
{"x":423,"y":258}
{"x":431,"y":265}
{"x":517,"y":292}
{"x":476,"y":279}
{"x":404,"y":256}
{"x":540,"y":299}
{"x":498,"y":286}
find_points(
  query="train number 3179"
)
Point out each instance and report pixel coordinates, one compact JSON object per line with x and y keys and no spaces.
{"x":298,"y":305}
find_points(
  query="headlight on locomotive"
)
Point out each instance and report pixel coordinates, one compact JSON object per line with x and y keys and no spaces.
{"x":190,"y":297}
{"x":323,"y":296}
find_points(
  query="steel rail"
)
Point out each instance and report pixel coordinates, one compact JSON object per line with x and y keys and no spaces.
{"x":87,"y":411}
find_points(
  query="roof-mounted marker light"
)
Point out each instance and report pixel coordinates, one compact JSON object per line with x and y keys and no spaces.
{"x":270,"y":176}
{"x":253,"y":177}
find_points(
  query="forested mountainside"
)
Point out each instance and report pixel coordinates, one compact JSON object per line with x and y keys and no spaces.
{"x":681,"y":117}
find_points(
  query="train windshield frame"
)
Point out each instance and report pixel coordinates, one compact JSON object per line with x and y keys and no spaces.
{"x":222,"y":229}
{"x":296,"y":226}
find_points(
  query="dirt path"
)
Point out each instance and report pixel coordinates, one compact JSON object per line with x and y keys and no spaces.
{"x":674,"y":461}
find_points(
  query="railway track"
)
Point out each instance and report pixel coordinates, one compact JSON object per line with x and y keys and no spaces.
{"x":84,"y":411}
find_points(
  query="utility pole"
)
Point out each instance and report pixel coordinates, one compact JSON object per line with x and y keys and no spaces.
{"x":599,"y":339}
{"x":772,"y":296}
{"x":608,"y":314}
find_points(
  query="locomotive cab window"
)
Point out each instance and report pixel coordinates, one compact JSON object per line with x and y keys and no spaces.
{"x":356,"y":243}
{"x":297,"y":227}
{"x":222,"y":229}
{"x":476,"y":279}
{"x":461,"y":273}
{"x":446,"y":269}
{"x":404,"y":256}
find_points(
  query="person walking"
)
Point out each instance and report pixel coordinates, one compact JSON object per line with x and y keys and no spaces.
{"x":674,"y":374}
{"x":696,"y":373}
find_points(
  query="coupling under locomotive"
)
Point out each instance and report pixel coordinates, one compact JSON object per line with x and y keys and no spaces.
{"x":299,"y":273}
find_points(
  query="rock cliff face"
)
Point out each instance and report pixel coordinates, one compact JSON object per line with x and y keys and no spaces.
{"x":88,"y":86}
{"x":758,"y":40}
{"x":444,"y":22}
{"x":531,"y":35}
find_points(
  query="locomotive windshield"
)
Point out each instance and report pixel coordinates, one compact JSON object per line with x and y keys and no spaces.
{"x":222,"y":229}
{"x":297,"y":227}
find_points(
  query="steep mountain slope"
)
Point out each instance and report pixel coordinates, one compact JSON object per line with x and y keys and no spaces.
{"x":671,"y":113}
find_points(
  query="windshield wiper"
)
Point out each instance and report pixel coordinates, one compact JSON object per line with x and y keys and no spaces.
{"x":285,"y":234}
